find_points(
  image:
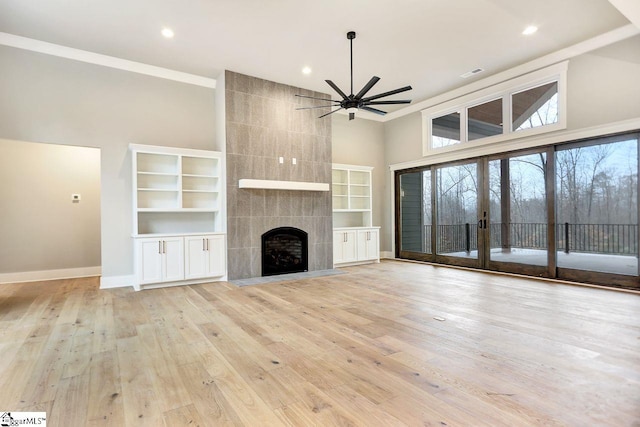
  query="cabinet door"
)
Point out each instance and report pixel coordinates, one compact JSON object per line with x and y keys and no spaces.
{"x":350,"y":247}
{"x":216,"y":256}
{"x":338,"y":250}
{"x":149,"y":261}
{"x":195,"y":259}
{"x":173,"y":259}
{"x":368,"y":244}
{"x":374,"y":245}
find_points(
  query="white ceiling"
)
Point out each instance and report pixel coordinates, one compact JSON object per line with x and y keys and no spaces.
{"x":427,"y":44}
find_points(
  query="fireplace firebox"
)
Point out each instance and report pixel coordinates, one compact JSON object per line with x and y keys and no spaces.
{"x":284,"y":250}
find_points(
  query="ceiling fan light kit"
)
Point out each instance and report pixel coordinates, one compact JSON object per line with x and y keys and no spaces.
{"x":352,"y":103}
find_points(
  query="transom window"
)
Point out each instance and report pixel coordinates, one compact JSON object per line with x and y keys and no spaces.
{"x":527,"y":105}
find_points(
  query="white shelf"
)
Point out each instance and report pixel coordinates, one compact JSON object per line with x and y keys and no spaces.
{"x":352,"y":195}
{"x":266,"y":184}
{"x":157,"y":173}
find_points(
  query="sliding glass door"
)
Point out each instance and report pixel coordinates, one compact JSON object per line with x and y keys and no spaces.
{"x":567,"y":211}
{"x":518,"y":202}
{"x":415,"y":213}
{"x":597,"y":210}
{"x":457,"y":205}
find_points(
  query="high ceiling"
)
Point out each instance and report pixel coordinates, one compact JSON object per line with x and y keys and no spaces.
{"x":424,"y":43}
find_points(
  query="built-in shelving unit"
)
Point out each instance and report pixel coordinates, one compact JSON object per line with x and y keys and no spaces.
{"x":355,"y":239}
{"x":177,"y":194}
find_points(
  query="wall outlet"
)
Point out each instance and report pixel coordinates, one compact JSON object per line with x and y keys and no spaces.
{"x":281,"y":160}
{"x":294,"y":161}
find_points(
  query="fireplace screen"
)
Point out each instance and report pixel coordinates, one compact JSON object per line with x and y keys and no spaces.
{"x":284,"y":250}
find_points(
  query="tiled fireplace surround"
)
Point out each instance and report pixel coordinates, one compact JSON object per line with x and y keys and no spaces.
{"x":263,"y":125}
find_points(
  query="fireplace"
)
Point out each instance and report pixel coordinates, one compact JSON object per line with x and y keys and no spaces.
{"x":284,"y":250}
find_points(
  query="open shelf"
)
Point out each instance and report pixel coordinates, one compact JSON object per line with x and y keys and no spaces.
{"x":351,"y":195}
{"x":172,"y":185}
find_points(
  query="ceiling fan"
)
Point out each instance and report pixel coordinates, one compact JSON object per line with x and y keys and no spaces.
{"x":352,"y":102}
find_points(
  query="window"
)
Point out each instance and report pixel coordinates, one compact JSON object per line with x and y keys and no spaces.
{"x":484,"y":120}
{"x":535,"y":107}
{"x":446,"y":130}
{"x":526,"y":105}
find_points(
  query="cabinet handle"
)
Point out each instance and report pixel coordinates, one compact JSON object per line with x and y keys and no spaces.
{"x":346,"y":238}
{"x":164,"y":247}
{"x":207,"y":240}
{"x":160,"y":247}
{"x":203,"y":245}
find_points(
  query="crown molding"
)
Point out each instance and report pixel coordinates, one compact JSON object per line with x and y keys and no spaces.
{"x":104,"y":60}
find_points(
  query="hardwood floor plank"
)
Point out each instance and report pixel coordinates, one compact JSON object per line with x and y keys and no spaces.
{"x":167,"y":385}
{"x":183,"y":416}
{"x":141,"y":403}
{"x":208,"y":401}
{"x":106,"y":405}
{"x":71,"y":403}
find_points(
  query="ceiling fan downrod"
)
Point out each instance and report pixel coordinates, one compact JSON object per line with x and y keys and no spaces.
{"x":351,"y":35}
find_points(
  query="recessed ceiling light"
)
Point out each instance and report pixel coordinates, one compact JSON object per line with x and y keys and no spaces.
{"x":306,"y":70}
{"x":530,"y":30}
{"x":167,"y":33}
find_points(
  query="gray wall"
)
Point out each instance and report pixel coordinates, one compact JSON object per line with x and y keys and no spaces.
{"x":58,"y":101}
{"x":361,"y":142}
{"x":604,"y":85}
{"x":262,"y":125}
{"x":41,"y":227}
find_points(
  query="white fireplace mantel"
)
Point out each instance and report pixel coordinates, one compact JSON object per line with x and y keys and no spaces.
{"x":267,"y":184}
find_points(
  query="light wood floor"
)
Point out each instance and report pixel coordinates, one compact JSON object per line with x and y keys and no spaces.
{"x":362,"y":348}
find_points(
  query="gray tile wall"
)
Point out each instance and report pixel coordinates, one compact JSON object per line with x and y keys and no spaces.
{"x":262,"y":125}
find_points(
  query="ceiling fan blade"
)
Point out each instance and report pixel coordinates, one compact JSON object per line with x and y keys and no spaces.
{"x":337,"y":89}
{"x":312,"y":108}
{"x":373,"y":110}
{"x":319,"y":99}
{"x":330,"y":112}
{"x":391,"y":92}
{"x":400,"y":101}
{"x":352,"y":116}
{"x":367,"y":87}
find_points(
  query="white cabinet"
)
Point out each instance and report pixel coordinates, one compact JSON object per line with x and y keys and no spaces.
{"x":205,"y":256}
{"x":160,"y":260}
{"x":368,"y":245}
{"x":355,"y":240}
{"x":179,"y":217}
{"x":353,"y":246}
{"x":344,"y":246}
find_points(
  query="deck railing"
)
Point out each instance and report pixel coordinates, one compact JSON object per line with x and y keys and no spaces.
{"x":617,"y":239}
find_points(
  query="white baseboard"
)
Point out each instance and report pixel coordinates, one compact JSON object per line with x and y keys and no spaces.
{"x":37,"y":276}
{"x":111,"y":282}
{"x":386,"y":255}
